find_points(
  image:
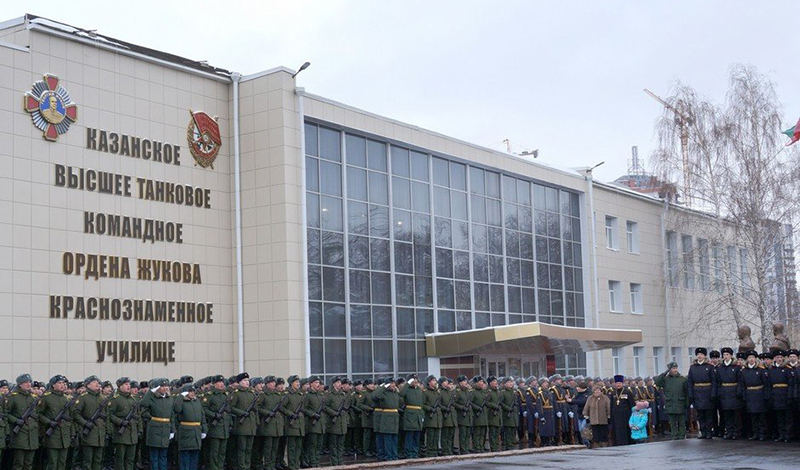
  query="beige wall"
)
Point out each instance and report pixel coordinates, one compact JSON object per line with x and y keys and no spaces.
{"x":39,"y":221}
{"x":272,"y":226}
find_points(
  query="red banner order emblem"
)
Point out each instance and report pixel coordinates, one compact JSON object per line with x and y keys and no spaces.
{"x":204,"y":138}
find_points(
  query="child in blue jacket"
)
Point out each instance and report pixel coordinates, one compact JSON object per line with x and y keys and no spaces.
{"x":638,"y":421}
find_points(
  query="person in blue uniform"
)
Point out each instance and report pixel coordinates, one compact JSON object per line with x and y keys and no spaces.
{"x":754,"y":379}
{"x":545,"y":413}
{"x":702,"y":390}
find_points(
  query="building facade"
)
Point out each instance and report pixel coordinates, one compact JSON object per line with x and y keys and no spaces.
{"x":161,"y":216}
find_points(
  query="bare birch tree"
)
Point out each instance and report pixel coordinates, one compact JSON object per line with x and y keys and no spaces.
{"x":748,"y":182}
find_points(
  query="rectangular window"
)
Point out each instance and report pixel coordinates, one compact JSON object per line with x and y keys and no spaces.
{"x":672,"y":259}
{"x":731,"y":268}
{"x":632,"y":232}
{"x":716,"y":255}
{"x":636,"y":299}
{"x":614,"y":296}
{"x":687,"y":249}
{"x":639,"y":366}
{"x":745,"y":275}
{"x":658,"y":352}
{"x":705,"y":264}
{"x":690,"y":355}
{"x":675,"y":356}
{"x":617,"y":360}
{"x":611,"y":233}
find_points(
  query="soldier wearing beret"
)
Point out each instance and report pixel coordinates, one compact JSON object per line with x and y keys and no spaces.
{"x":54,"y":417}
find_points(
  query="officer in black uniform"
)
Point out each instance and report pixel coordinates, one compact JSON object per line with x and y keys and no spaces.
{"x":726,"y":376}
{"x":782,"y":383}
{"x":702,"y":390}
{"x":755,"y":388}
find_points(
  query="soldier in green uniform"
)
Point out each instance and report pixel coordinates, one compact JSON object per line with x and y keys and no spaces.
{"x":157,"y":410}
{"x":510,"y":413}
{"x":216,"y":406}
{"x":431,"y":406}
{"x":123,"y":415}
{"x":257,"y":454}
{"x":365,"y":407}
{"x":387,"y":421}
{"x":449,"y":415}
{"x":480,"y":420}
{"x":493,"y":413}
{"x":89,"y":415}
{"x":280,"y":462}
{"x":463,"y":406}
{"x":190,"y":422}
{"x":23,"y":423}
{"x":3,"y":422}
{"x":294,"y":419}
{"x":315,"y":421}
{"x":54,"y":416}
{"x":244,"y":420}
{"x":337,"y":416}
{"x":352,"y":442}
{"x":413,"y":416}
{"x":270,"y":423}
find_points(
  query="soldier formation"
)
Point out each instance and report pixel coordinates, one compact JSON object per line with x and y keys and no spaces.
{"x":267,"y":423}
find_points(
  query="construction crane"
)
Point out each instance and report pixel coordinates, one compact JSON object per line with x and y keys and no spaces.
{"x":683,"y":121}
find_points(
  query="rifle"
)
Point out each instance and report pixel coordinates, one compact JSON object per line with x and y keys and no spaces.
{"x":96,"y":415}
{"x":274,"y":410}
{"x":450,"y":405}
{"x":296,"y":413}
{"x":339,"y":411}
{"x":319,"y":411}
{"x":435,"y":405}
{"x":60,"y":416}
{"x":27,"y":414}
{"x":220,"y":412}
{"x":482,"y":405}
{"x":249,"y":408}
{"x":127,"y":421}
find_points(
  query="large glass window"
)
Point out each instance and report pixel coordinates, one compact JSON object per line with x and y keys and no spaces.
{"x":402,"y":243}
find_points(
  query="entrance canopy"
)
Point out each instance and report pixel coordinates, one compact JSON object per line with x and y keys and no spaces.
{"x":528,"y":338}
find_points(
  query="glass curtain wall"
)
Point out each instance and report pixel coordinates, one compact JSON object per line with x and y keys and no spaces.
{"x":402,"y":243}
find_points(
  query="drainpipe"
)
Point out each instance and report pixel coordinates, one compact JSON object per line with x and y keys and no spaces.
{"x":300,"y":93}
{"x":593,"y":232}
{"x":666,"y":276}
{"x":235,"y":77}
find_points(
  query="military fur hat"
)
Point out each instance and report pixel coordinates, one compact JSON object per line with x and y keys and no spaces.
{"x":368,"y":382}
{"x":429,"y":378}
{"x":242,"y":376}
{"x":356,"y":383}
{"x":703,"y":351}
{"x":751,"y":353}
{"x":727,"y":350}
{"x":346,"y":381}
{"x":715,"y":354}
{"x":793,"y":351}
{"x":313,"y":379}
{"x":144,"y":384}
{"x":543,"y":380}
{"x":379,"y":381}
{"x":303,"y":381}
{"x":477,"y":379}
{"x":186,"y":388}
{"x":269,"y":378}
{"x":399,"y":381}
{"x":56,"y":379}
{"x":279,"y":381}
{"x":3,"y":383}
{"x":123,"y":380}
{"x":765,"y":355}
{"x":335,"y":379}
{"x":159,"y":382}
{"x":78,"y":385}
{"x":292,"y":378}
{"x":778,"y":352}
{"x":255,"y":381}
{"x":531,"y":379}
{"x":444,"y":379}
{"x":568,"y":378}
{"x":134,"y":383}
{"x":461,"y":378}
{"x":672,"y":365}
{"x":90,"y":379}
{"x":37,"y":384}
{"x":741,"y":355}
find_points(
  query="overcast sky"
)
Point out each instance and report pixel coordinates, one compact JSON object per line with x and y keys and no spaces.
{"x":562,"y":77}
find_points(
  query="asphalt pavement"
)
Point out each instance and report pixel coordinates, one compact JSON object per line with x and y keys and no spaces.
{"x":700,"y":454}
